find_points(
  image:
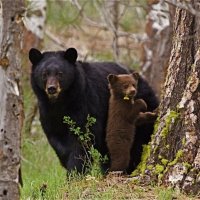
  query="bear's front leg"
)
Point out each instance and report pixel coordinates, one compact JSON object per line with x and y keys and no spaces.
{"x":76,"y":161}
{"x":70,"y":153}
{"x":138,"y":106}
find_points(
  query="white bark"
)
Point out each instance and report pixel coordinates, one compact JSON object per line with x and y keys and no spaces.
{"x":35,"y":17}
{"x":156,"y":48}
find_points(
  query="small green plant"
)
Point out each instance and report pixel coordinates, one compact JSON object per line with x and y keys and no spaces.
{"x":93,"y":157}
{"x":85,"y":137}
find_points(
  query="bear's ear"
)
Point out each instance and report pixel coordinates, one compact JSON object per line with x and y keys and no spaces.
{"x":112,"y":78}
{"x":71,"y":55}
{"x":35,"y":56}
{"x":135,"y":75}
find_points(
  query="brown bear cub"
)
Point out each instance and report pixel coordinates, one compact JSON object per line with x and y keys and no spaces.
{"x":123,"y":115}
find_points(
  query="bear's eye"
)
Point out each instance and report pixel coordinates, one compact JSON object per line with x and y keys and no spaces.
{"x":44,"y":75}
{"x":126,"y":86}
{"x":60,"y":74}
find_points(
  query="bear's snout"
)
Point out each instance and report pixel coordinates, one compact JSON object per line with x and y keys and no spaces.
{"x":132,"y":91}
{"x":52,"y":87}
{"x":51,"y":90}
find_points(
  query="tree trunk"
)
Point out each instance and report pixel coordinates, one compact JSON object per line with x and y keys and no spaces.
{"x":157,"y":47}
{"x":11,"y":106}
{"x":173,"y":156}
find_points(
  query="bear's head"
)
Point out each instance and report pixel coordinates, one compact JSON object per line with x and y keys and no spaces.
{"x":123,"y":86}
{"x":53,"y":72}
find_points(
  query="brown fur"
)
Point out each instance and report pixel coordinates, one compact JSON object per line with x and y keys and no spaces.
{"x":122,"y":117}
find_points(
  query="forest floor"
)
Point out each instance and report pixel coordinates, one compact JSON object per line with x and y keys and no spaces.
{"x":45,"y":179}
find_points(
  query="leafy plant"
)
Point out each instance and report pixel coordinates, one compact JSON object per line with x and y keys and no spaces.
{"x":93,"y":157}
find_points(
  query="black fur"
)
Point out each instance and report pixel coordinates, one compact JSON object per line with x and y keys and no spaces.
{"x":84,"y":90}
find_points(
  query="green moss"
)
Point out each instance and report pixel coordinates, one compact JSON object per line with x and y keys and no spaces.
{"x":178,"y":155}
{"x":160,"y":176}
{"x":164,"y":132}
{"x":142,"y":166}
{"x":135,"y":181}
{"x":183,"y":141}
{"x":167,"y":146}
{"x":164,"y":161}
{"x":159,"y":169}
{"x":150,"y":167}
{"x":136,"y":172}
{"x":171,"y":118}
{"x":187,"y":165}
{"x":156,"y":125}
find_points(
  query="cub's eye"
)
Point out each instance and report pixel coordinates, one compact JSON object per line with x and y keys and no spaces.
{"x":60,"y":74}
{"x":44,"y":75}
{"x":126,"y":86}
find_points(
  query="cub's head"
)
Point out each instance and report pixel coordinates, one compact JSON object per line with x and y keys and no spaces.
{"x":52,"y":72}
{"x":123,"y":86}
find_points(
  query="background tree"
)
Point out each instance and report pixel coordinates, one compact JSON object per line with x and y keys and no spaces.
{"x":33,"y":35}
{"x":11,"y":107}
{"x":157,"y":46}
{"x":173,"y":156}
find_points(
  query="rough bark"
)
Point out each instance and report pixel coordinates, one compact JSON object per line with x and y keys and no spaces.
{"x":11,"y":107}
{"x":157,"y":47}
{"x":173,"y":156}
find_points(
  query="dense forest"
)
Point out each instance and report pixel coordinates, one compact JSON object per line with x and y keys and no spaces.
{"x":158,"y":39}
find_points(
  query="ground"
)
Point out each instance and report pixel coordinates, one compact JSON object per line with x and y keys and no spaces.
{"x":44,"y":178}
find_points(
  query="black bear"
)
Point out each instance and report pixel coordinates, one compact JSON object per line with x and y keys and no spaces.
{"x":67,"y":87}
{"x":123,"y":115}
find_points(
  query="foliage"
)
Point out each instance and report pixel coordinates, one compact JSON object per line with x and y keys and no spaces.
{"x":94,"y":158}
{"x":84,"y":137}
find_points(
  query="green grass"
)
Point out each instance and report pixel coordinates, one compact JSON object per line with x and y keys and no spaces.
{"x":166,"y":194}
{"x":45,"y":179}
{"x":42,"y":173}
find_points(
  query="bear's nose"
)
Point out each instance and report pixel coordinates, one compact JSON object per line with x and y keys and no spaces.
{"x":51,"y":89}
{"x":133,"y":91}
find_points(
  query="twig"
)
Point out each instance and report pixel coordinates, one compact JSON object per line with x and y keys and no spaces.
{"x":87,"y":19}
{"x":54,"y":39}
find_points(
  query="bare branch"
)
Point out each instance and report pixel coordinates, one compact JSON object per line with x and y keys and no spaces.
{"x":184,"y":5}
{"x":87,"y":19}
{"x":54,"y":39}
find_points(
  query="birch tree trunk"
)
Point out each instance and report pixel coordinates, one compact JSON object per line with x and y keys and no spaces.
{"x":34,"y":21}
{"x":173,"y":156}
{"x":157,"y":47}
{"x":11,"y":106}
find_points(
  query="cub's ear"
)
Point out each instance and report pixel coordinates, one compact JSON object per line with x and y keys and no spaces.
{"x":112,"y":78}
{"x":135,"y":75}
{"x":35,"y":56}
{"x":71,"y":55}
